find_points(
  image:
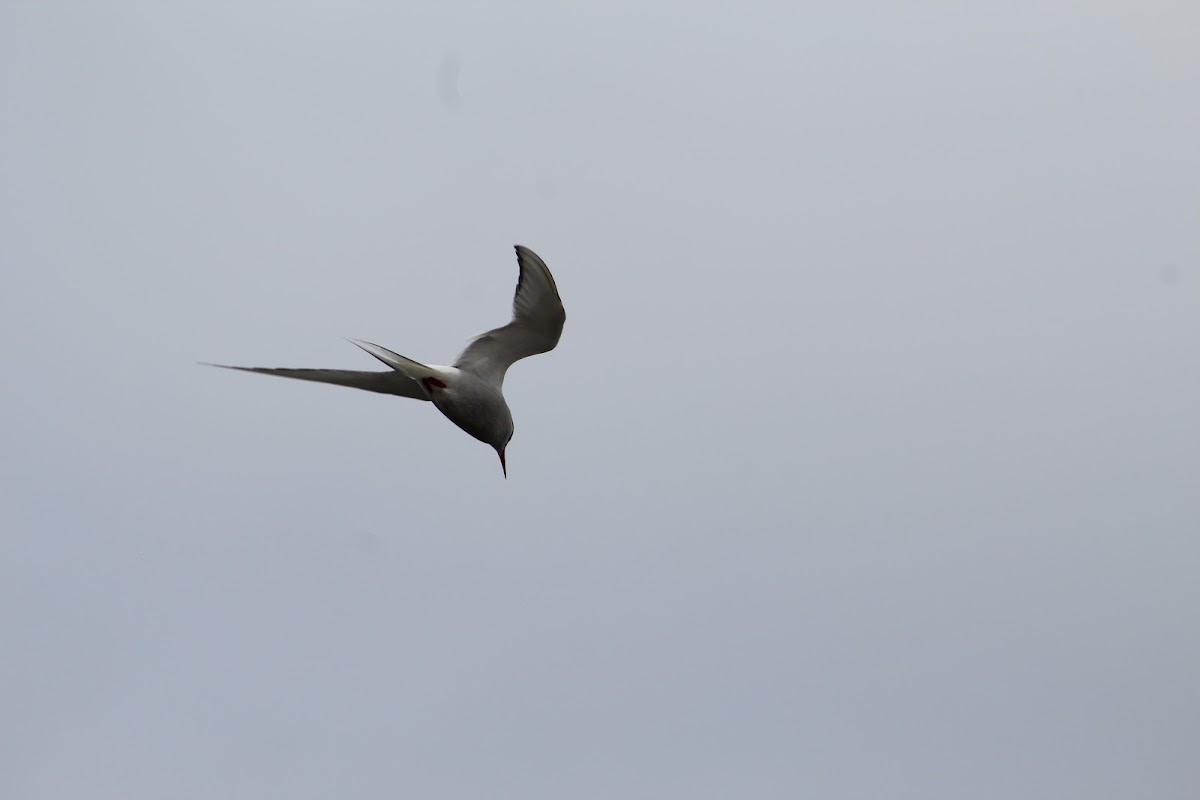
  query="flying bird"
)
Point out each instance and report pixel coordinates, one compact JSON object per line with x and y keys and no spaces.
{"x":469,"y":392}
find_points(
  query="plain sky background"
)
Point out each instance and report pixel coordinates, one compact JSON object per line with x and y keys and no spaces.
{"x":868,"y":465}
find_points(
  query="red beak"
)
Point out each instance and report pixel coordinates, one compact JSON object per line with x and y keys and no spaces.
{"x":503,"y":465}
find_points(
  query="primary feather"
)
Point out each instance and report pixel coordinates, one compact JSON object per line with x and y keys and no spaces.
{"x":390,"y":382}
{"x":536,"y":326}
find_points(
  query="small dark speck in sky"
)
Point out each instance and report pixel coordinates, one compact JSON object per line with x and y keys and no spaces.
{"x":1170,"y":274}
{"x":447,"y":81}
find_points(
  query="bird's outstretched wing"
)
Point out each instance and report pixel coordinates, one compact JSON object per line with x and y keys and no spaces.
{"x":536,"y":326}
{"x":390,"y":382}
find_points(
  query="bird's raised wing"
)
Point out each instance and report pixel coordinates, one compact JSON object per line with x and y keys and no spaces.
{"x":537,"y":323}
{"x":390,"y":382}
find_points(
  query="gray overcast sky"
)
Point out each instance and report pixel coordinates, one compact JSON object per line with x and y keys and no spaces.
{"x":868,"y":465}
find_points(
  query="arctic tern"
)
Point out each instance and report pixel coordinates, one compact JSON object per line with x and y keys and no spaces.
{"x":470,"y":391}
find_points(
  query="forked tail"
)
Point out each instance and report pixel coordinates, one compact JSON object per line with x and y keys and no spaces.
{"x":405,"y":366}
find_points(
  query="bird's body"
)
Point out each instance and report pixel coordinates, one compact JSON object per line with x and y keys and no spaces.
{"x":470,"y":392}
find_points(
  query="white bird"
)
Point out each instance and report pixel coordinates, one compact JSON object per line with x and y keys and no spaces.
{"x":470,"y":392}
